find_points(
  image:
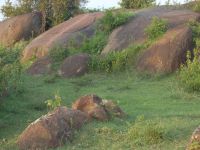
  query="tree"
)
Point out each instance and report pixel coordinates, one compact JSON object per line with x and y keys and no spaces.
{"x":135,"y":4}
{"x":54,"y":11}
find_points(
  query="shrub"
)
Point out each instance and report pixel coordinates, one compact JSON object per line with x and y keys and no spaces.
{"x":10,"y":73}
{"x":116,"y":61}
{"x":58,"y":54}
{"x":111,"y":20}
{"x":135,"y":4}
{"x":195,"y":26}
{"x":145,"y":132}
{"x":156,"y":29}
{"x":196,"y":6}
{"x":189,"y":75}
{"x":112,"y":62}
{"x":95,"y":44}
{"x":54,"y":103}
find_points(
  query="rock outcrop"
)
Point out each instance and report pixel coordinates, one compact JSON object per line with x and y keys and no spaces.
{"x":75,"y":29}
{"x":51,"y":130}
{"x":21,"y":27}
{"x":133,"y":32}
{"x":168,"y":53}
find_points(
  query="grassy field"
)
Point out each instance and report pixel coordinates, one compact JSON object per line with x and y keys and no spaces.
{"x":158,"y":100}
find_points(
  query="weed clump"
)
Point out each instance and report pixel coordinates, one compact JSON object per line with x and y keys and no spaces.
{"x":135,"y":4}
{"x":58,"y":54}
{"x":54,"y":103}
{"x":11,"y":69}
{"x":145,"y":132}
{"x":189,"y":75}
{"x":156,"y":29}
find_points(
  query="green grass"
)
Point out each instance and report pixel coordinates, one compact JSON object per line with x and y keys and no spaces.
{"x":158,"y":99}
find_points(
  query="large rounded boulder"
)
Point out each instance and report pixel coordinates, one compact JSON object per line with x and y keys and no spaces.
{"x":74,"y":66}
{"x":51,"y":130}
{"x":168,"y":53}
{"x":133,"y":32}
{"x":73,"y":30}
{"x":21,"y":27}
{"x":98,"y":108}
{"x":91,"y":105}
{"x":42,"y":66}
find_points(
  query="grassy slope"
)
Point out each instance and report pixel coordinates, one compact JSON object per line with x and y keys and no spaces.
{"x":158,"y":99}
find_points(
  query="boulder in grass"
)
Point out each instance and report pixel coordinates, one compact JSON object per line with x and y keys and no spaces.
{"x":51,"y":130}
{"x":75,"y":29}
{"x":97,"y":108}
{"x":194,"y":143}
{"x":91,"y":104}
{"x":168,"y":53}
{"x":21,"y":27}
{"x":74,"y":66}
{"x":113,"y":109}
{"x":41,"y":66}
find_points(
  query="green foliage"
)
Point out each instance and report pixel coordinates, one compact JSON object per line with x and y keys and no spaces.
{"x":112,"y":20}
{"x":112,"y":62}
{"x":107,"y":24}
{"x":194,"y":146}
{"x":10,"y":73}
{"x":116,"y":61}
{"x":55,"y":11}
{"x":145,"y":132}
{"x":136,"y":4}
{"x":54,"y":103}
{"x":196,"y":6}
{"x":189,"y":75}
{"x":58,"y":54}
{"x":95,"y":44}
{"x":195,"y":26}
{"x":156,"y":29}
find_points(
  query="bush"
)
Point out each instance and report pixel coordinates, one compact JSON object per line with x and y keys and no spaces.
{"x":58,"y":54}
{"x":54,"y":103}
{"x":156,"y":29}
{"x":115,"y":61}
{"x":112,"y":20}
{"x":95,"y":44}
{"x":144,"y":132}
{"x":196,"y":6}
{"x":195,"y":26}
{"x":10,"y":73}
{"x":135,"y":4}
{"x":189,"y":75}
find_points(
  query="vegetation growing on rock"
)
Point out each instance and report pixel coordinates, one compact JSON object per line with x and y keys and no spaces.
{"x":136,"y":4}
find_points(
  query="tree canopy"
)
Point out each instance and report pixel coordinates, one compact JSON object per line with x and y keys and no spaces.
{"x":135,"y":4}
{"x":55,"y":11}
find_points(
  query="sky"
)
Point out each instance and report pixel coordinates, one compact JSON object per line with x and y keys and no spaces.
{"x":100,"y":3}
